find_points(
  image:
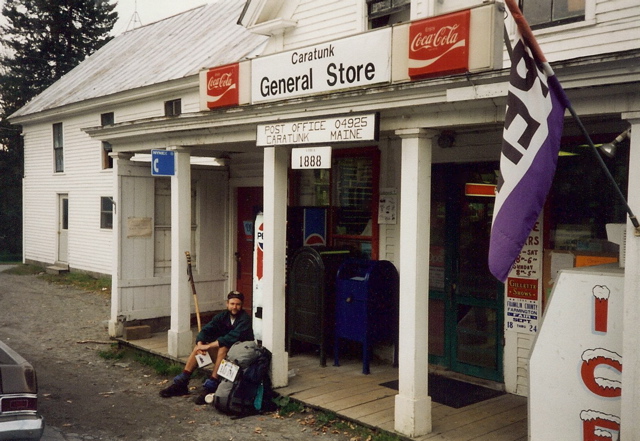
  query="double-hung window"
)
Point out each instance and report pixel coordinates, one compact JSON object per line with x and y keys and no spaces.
{"x":547,"y":13}
{"x":106,"y":119}
{"x":58,"y":151}
{"x":106,"y":212}
{"x":387,"y":12}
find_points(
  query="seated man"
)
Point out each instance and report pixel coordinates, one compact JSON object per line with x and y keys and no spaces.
{"x":216,"y":337}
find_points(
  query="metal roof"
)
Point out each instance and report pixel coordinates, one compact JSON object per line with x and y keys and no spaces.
{"x":173,"y":48}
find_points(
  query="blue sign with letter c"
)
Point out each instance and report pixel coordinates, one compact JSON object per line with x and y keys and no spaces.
{"x":163,"y":163}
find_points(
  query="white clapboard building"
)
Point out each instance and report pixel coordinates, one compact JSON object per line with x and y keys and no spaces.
{"x":366,"y":127}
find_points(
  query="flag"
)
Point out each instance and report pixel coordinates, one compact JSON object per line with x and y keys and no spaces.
{"x":533,"y":125}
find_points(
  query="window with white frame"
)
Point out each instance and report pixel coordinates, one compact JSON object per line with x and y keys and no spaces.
{"x":173,"y":107}
{"x":547,"y":13}
{"x":106,"y":212}
{"x":58,"y":151}
{"x":106,"y":119}
{"x":383,"y":13}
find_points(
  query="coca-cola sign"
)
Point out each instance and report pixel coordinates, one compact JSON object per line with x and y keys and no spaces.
{"x":439,"y":45}
{"x":222,"y":86}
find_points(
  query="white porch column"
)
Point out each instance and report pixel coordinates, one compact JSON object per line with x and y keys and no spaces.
{"x":115,"y":324}
{"x":413,"y":404}
{"x":180,"y":339}
{"x":275,"y":219}
{"x":630,"y":423}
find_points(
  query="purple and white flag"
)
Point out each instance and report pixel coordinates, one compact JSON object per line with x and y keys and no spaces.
{"x":531,"y":140}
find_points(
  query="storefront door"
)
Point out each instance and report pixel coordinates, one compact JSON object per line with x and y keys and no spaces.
{"x":466,"y":301}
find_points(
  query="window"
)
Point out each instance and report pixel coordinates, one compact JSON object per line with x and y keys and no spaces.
{"x":387,"y":12}
{"x":173,"y":107}
{"x":107,"y":161}
{"x":107,"y":119}
{"x":106,"y":212}
{"x":348,"y":192}
{"x":64,"y":216}
{"x":546,"y":13}
{"x":57,"y":148}
{"x":580,"y":226}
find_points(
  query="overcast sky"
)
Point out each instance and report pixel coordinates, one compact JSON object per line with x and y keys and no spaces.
{"x":149,"y":11}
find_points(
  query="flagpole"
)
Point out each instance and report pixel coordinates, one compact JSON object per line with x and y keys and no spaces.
{"x":530,"y":40}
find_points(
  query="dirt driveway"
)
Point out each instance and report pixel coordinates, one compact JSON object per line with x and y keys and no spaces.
{"x":85,"y":397}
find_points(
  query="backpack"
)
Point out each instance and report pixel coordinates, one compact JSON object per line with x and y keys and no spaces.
{"x":250,"y":393}
{"x":243,"y":353}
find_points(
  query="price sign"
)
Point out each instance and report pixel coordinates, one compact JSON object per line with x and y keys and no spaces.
{"x":310,"y":158}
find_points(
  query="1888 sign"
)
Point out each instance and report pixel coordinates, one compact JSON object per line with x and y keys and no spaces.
{"x":310,"y":158}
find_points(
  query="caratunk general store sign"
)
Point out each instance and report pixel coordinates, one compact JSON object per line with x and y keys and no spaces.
{"x":357,"y":61}
{"x":345,"y":128}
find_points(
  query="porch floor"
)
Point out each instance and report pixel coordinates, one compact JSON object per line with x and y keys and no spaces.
{"x":352,"y":395}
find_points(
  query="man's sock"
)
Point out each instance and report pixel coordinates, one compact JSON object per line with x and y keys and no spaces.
{"x":182,"y":377}
{"x":211,"y":385}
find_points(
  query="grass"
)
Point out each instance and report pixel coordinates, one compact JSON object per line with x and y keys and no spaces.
{"x":24,"y":270}
{"x":113,"y":353}
{"x":160,"y":365}
{"x":80,"y":281}
{"x":77,"y":280}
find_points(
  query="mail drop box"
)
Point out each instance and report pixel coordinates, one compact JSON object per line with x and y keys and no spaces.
{"x":366,"y":305}
{"x":311,"y":296}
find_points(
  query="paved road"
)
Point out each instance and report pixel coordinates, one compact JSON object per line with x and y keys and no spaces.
{"x":85,"y":397}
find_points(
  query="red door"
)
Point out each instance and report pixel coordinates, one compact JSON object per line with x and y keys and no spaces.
{"x":249,"y":204}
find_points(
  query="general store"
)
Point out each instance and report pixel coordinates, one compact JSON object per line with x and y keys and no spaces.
{"x":355,"y":144}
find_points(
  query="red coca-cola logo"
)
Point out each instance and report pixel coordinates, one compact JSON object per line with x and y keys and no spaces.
{"x":222,"y":86}
{"x":223,"y":81}
{"x":439,"y":45}
{"x":445,"y":36}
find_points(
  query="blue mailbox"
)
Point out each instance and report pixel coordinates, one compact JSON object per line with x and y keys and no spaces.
{"x":366,"y":305}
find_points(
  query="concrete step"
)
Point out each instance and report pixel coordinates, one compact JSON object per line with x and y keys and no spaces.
{"x":57,"y":269}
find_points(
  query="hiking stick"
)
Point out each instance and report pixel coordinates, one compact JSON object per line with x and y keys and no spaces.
{"x":193,"y":289}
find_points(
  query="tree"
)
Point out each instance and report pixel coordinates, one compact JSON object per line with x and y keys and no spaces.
{"x":42,"y":40}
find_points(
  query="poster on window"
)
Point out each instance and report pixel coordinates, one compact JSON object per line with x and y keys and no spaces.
{"x":387,"y":206}
{"x":524,"y":287}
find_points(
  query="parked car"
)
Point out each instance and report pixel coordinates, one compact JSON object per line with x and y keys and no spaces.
{"x":19,"y":417}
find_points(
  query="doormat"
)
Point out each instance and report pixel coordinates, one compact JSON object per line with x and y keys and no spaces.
{"x":453,"y":393}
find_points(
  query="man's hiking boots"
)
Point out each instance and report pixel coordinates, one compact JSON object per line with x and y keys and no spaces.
{"x":180,"y":386}
{"x":175,"y":390}
{"x":209,"y":387}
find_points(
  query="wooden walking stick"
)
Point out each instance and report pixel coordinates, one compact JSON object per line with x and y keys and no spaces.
{"x":193,"y":289}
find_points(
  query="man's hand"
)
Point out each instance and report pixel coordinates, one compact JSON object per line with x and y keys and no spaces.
{"x":203,"y":348}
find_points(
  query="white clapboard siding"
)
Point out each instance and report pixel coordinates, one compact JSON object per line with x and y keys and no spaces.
{"x":614,"y":28}
{"x":85,"y":182}
{"x":390,"y":179}
{"x":319,"y":21}
{"x":89,"y":247}
{"x":153,"y":108}
{"x":525,"y":343}
{"x":40,"y":202}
